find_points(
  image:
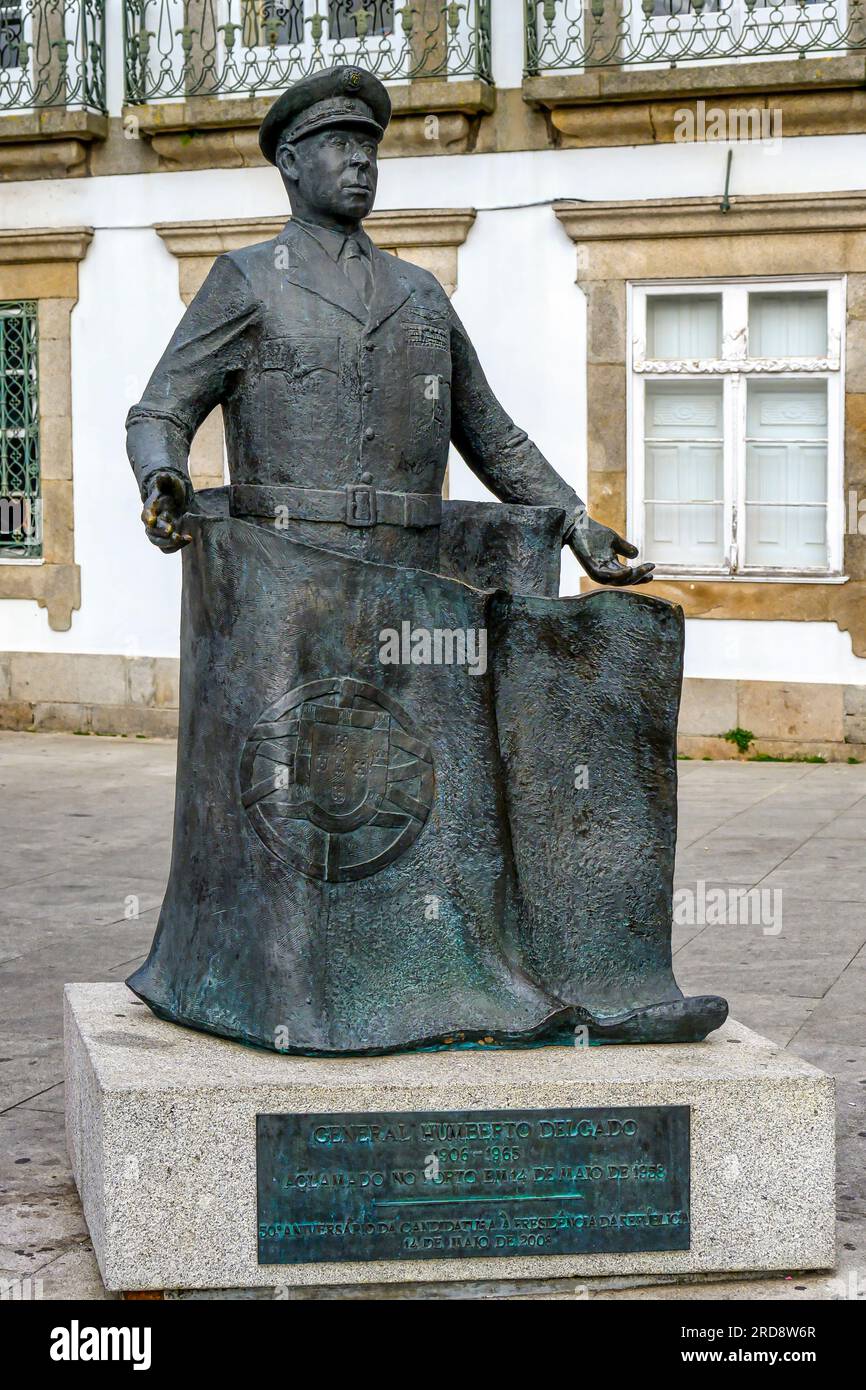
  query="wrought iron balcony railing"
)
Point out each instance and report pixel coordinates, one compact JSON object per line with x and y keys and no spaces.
{"x":574,"y":35}
{"x":187,"y":48}
{"x":52,"y":54}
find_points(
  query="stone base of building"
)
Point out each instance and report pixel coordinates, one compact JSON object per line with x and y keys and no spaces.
{"x":137,"y":697}
{"x":81,"y":693}
{"x":161,"y":1127}
{"x":773,"y":719}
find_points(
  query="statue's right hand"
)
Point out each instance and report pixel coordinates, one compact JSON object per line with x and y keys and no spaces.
{"x":163,"y":511}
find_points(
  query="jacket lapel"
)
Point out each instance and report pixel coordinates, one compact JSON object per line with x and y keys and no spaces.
{"x":312,"y":268}
{"x":390,"y":287}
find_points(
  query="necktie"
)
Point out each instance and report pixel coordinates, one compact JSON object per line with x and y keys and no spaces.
{"x":357,"y":269}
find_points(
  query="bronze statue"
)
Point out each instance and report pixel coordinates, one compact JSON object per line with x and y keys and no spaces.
{"x":377,"y":852}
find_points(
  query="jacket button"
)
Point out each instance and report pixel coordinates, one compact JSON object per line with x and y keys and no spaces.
{"x":368,"y":387}
{"x":369,"y":346}
{"x":369,"y":433}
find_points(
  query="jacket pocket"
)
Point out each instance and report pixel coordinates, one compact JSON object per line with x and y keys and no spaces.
{"x":429,"y":398}
{"x":301,"y":354}
{"x":300,"y":391}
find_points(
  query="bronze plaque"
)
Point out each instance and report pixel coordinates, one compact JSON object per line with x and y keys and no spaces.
{"x":432,"y":1184}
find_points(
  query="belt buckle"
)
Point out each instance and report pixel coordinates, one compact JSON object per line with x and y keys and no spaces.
{"x":360,"y":504}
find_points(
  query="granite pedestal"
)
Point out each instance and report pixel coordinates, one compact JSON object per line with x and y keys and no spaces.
{"x":161,"y":1128}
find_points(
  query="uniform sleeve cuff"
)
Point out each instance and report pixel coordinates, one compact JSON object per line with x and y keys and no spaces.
{"x":574,"y":521}
{"x":175,"y":473}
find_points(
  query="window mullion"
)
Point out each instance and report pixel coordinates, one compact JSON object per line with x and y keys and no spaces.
{"x":734,"y":437}
{"x":834,"y":514}
{"x":735,"y":319}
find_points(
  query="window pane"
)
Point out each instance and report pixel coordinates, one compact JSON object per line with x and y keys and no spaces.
{"x":788,"y":325}
{"x":684,"y":325}
{"x":786,"y":475}
{"x":19,"y":432}
{"x":684,"y":473}
{"x":675,"y":7}
{"x":342,"y":18}
{"x":10,"y":35}
{"x":282,"y":18}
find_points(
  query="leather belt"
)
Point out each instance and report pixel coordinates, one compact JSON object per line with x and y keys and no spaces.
{"x":356,"y":504}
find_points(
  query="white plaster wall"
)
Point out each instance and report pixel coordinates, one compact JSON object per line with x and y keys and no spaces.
{"x":516,"y":295}
{"x":114,"y":56}
{"x":530,"y":339}
{"x":760,"y":651}
{"x":507,"y":43}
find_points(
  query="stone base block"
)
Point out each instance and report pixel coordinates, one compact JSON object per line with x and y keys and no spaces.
{"x":161,"y":1127}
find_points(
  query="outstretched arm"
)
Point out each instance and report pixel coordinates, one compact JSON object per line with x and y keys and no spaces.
{"x":193,"y":375}
{"x":507,"y":461}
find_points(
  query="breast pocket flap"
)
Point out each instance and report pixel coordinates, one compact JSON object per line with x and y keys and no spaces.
{"x":301,"y":354}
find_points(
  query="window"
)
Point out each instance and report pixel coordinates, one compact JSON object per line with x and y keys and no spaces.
{"x":10,"y":34}
{"x":272,"y":22}
{"x":20,"y":536}
{"x":736,"y":404}
{"x":282,"y":22}
{"x":342,"y":17}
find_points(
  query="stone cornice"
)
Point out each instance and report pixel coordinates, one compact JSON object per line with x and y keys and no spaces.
{"x":429,"y":117}
{"x":44,"y":244}
{"x":628,"y":82}
{"x":47,"y":144}
{"x":52,"y":123}
{"x":213,"y":237}
{"x":427,"y":227}
{"x":761,"y":214}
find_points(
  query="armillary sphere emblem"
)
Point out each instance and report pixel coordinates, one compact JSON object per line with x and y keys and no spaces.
{"x":336,"y":779}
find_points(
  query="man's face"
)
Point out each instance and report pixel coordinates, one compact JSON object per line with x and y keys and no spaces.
{"x":333,"y":172}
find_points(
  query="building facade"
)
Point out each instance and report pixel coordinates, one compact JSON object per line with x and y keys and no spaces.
{"x":651,"y":216}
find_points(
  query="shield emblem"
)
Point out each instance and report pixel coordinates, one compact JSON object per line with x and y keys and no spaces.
{"x":340,"y":758}
{"x":341,"y":766}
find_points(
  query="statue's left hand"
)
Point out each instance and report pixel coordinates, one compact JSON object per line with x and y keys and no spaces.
{"x":597,"y":548}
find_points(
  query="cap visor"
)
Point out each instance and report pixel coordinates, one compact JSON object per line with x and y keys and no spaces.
{"x":331,"y":122}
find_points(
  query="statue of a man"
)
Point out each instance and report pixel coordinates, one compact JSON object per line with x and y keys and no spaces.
{"x":336,"y":366}
{"x":370,"y":856}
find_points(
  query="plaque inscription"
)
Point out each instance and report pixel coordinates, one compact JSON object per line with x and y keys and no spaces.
{"x":444,"y":1184}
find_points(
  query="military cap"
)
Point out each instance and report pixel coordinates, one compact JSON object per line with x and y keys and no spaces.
{"x":338,"y":96}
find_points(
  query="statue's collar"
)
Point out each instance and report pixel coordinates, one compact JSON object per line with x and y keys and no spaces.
{"x":310,"y":266}
{"x":332,"y":239}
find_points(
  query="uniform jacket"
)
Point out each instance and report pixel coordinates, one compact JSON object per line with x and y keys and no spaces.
{"x":316,"y":391}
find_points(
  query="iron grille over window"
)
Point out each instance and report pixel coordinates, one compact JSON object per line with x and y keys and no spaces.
{"x":571,"y":35}
{"x":20,"y":530}
{"x":254,"y":47}
{"x":52,"y":55}
{"x":282,"y":21}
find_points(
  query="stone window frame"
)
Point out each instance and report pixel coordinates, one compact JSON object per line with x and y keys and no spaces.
{"x":764,"y":236}
{"x":830,"y":367}
{"x":42,"y":265}
{"x":428,"y":237}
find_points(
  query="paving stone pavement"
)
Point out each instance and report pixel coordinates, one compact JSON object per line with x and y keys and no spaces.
{"x":86,"y":826}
